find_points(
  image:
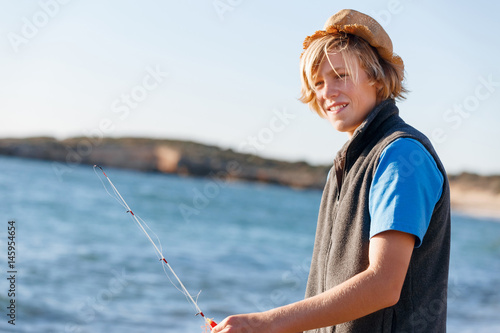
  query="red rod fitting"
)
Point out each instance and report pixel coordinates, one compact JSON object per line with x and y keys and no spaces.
{"x":212,"y":323}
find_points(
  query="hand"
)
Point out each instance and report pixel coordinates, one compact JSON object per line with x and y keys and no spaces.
{"x":245,"y":323}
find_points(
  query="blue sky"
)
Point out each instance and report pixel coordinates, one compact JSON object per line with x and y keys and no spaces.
{"x":225,"y":72}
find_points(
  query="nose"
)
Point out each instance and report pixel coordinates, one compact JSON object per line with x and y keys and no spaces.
{"x":330,"y":90}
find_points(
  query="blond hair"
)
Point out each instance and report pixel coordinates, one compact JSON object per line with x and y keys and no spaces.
{"x":387,"y":75}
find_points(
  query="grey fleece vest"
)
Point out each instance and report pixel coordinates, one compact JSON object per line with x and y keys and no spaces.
{"x":342,"y":234}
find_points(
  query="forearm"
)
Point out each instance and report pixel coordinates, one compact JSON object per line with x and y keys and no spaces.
{"x":359,"y":296}
{"x":373,"y":289}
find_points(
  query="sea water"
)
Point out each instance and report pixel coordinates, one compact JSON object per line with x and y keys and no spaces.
{"x":83,"y":265}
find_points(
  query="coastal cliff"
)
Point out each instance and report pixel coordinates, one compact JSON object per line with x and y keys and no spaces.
{"x":166,"y":156}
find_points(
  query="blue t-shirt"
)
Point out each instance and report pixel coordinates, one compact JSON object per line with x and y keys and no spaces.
{"x":406,"y":187}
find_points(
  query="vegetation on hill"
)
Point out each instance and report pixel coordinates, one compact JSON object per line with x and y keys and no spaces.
{"x":474,"y":181}
{"x":169,"y":156}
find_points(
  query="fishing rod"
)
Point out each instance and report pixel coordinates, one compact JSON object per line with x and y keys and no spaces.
{"x":162,"y":259}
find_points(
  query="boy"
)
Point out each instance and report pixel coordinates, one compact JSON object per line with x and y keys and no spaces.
{"x":372,"y":269}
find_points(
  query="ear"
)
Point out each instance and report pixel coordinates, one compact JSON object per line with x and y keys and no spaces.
{"x":378,"y":85}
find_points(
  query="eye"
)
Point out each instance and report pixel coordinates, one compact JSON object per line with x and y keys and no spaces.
{"x":342,"y":75}
{"x":318,"y":84}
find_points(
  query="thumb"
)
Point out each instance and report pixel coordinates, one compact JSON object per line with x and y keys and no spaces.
{"x":219,"y":328}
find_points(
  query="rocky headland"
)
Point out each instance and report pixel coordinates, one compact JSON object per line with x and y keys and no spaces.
{"x":166,"y":156}
{"x":470,"y":193}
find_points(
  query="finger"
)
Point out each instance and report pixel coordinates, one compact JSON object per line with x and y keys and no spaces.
{"x":218,"y":328}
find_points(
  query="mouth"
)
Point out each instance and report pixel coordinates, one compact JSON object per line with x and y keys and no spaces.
{"x":336,"y":108}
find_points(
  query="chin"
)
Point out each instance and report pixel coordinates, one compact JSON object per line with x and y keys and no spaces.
{"x":338,"y":126}
{"x":344,"y":129}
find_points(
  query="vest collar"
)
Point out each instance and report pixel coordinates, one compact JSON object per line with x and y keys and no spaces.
{"x":363,"y":135}
{"x":374,"y":119}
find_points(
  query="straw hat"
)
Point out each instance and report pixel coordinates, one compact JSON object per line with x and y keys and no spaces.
{"x":355,"y":23}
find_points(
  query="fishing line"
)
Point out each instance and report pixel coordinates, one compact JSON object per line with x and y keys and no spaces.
{"x":142,"y":225}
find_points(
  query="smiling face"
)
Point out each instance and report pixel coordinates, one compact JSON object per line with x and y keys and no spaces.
{"x":345,"y":98}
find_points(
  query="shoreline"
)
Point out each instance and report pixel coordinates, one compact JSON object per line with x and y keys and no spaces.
{"x":471,"y":194}
{"x":474,"y":201}
{"x":184,"y":158}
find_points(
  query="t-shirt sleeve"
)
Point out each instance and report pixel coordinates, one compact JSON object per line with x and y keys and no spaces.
{"x":406,"y":187}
